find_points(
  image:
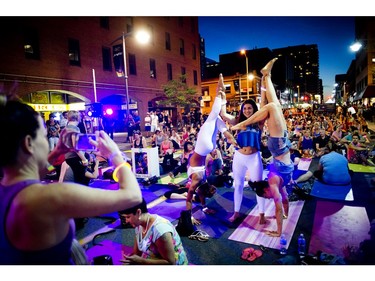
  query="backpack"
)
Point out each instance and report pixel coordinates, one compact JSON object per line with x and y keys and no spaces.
{"x":185,"y":226}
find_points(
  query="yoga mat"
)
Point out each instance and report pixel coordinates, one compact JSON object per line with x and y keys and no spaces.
{"x":217,"y":224}
{"x":104,"y":184}
{"x":154,"y":191}
{"x":334,"y":192}
{"x":250,"y":231}
{"x":108,"y":247}
{"x":336,"y":226}
{"x":169,"y":209}
{"x":304,"y":164}
{"x":179,"y":179}
{"x":361,"y":168}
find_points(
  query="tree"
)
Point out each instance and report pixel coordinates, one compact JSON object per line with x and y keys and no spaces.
{"x":177,"y":93}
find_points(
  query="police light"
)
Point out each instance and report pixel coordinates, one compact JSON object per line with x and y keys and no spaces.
{"x":109,"y":111}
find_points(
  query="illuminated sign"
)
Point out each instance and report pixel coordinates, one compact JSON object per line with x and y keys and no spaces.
{"x":58,"y":107}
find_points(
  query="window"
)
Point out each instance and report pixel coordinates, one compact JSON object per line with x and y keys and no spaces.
{"x":132,"y":64}
{"x":104,"y":22}
{"x":167,"y":41}
{"x":194,"y":52}
{"x":183,"y":73}
{"x":31,"y":45}
{"x":195,"y":75}
{"x":129,"y":24}
{"x":74,"y":55}
{"x":169,"y":72}
{"x":106,"y":53}
{"x":182,"y":47}
{"x":152,"y":68}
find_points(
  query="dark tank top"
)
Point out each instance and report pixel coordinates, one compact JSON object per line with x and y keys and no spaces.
{"x":56,"y":255}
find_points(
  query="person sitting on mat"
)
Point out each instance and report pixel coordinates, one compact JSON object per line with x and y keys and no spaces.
{"x":206,"y":142}
{"x":333,"y":168}
{"x":156,"y":239}
{"x":278,"y":143}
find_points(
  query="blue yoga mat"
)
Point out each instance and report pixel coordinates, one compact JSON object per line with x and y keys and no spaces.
{"x":152,"y":192}
{"x":169,"y":209}
{"x":334,"y":192}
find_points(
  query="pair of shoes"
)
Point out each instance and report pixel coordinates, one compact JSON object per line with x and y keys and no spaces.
{"x":250,"y":254}
{"x":199,"y":235}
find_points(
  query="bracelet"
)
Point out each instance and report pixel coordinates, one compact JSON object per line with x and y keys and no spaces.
{"x":114,"y":175}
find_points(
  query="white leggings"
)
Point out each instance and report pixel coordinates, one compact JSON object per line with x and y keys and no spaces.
{"x":242,"y":163}
{"x":206,"y":140}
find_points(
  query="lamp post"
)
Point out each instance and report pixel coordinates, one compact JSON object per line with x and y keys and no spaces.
{"x":247,"y":72}
{"x":142,"y":37}
{"x":298,"y":94}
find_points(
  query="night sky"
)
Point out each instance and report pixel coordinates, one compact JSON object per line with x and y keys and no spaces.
{"x":333,"y":35}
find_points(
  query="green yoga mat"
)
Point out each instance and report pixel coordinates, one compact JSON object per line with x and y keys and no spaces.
{"x":361,"y":168}
{"x":176,"y":180}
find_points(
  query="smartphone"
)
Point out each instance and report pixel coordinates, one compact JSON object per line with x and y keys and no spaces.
{"x":83,"y":142}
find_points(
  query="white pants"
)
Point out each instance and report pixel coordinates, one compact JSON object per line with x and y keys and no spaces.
{"x":242,"y":163}
{"x":206,"y":140}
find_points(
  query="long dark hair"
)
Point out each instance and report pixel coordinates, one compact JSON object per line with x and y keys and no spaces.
{"x":259,"y":186}
{"x":242,"y":117}
{"x":17,"y":120}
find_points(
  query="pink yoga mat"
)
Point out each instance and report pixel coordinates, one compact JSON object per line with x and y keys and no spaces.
{"x":337,"y":225}
{"x":250,"y":231}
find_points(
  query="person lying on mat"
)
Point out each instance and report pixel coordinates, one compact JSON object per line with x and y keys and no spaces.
{"x":202,"y":192}
{"x":156,"y":239}
{"x":278,"y":143}
{"x":206,"y":142}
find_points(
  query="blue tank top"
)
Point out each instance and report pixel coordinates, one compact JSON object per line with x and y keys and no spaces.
{"x":250,"y":137}
{"x":56,"y":255}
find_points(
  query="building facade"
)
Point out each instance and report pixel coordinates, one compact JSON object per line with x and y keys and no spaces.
{"x":62,"y":63}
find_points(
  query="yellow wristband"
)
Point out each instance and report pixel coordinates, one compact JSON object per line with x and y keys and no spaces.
{"x":114,"y":175}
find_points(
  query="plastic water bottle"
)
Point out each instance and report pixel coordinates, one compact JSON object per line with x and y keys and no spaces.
{"x":283,"y":243}
{"x":301,"y":245}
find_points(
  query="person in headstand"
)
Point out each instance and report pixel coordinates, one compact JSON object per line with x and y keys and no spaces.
{"x":278,"y":142}
{"x":206,"y":142}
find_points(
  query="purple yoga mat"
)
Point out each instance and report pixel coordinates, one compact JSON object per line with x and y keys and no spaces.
{"x":336,"y":226}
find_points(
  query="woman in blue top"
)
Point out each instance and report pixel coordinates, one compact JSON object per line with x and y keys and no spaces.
{"x":36,"y":219}
{"x":278,"y":143}
{"x":247,"y":157}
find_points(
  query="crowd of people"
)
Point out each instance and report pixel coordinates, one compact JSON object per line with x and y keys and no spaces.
{"x":217,"y":150}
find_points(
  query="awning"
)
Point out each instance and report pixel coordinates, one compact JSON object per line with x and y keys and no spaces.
{"x":369,"y":92}
{"x":358,"y":96}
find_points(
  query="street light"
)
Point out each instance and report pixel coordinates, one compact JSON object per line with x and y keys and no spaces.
{"x":247,"y":72}
{"x":298,"y":93}
{"x":142,"y":37}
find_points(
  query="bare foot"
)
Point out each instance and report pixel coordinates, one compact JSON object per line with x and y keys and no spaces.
{"x":267,"y":69}
{"x":262,"y":219}
{"x":234,"y":217}
{"x":220,"y":85}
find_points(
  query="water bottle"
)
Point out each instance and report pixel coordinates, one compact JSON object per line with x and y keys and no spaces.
{"x":283,"y":243}
{"x":301,"y":245}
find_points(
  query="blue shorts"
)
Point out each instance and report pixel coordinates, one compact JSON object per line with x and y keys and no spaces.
{"x":279,"y":145}
{"x":285,"y":171}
